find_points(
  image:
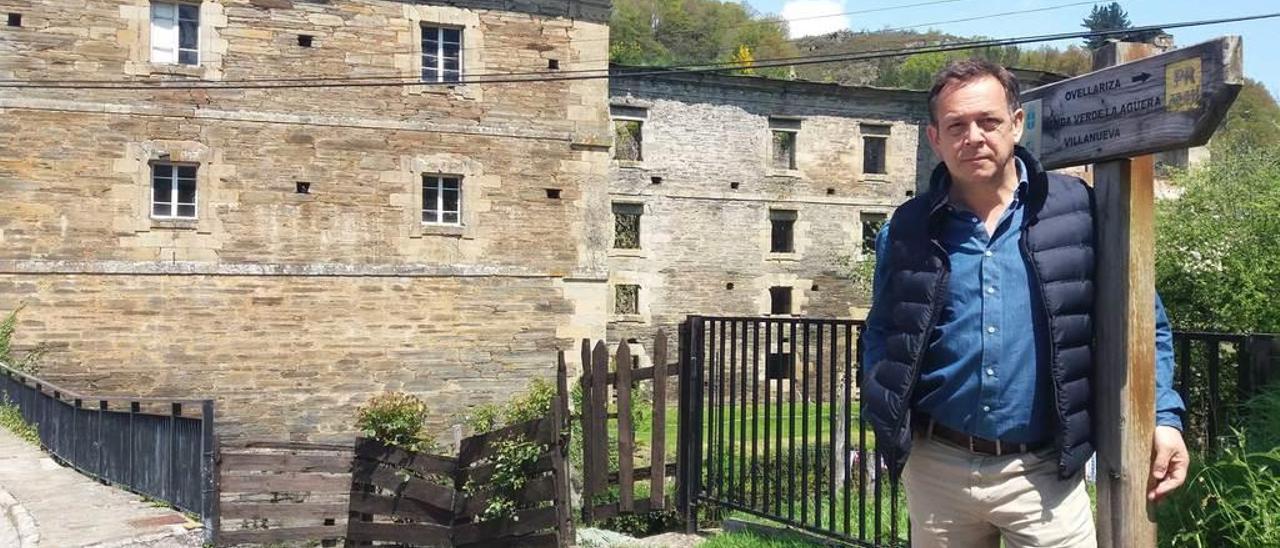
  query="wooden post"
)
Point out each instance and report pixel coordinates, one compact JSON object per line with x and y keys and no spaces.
{"x":587,"y":414}
{"x":626,"y":464}
{"x":560,"y":457}
{"x":658,"y":441}
{"x":1125,"y":328}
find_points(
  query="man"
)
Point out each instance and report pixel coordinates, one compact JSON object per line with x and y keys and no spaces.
{"x":979,"y":343}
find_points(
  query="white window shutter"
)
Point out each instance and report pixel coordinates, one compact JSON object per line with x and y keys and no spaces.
{"x":164,"y":33}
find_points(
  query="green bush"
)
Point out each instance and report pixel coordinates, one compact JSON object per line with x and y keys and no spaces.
{"x":29,"y":362}
{"x":12,"y":420}
{"x":1235,"y":499}
{"x":396,"y":419}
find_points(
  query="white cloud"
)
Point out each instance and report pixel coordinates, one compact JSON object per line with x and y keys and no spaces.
{"x":804,"y":17}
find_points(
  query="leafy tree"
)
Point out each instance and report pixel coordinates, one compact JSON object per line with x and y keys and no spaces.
{"x":1104,"y":18}
{"x":665,"y":32}
{"x":744,"y":59}
{"x":1217,"y":262}
{"x":1252,"y":122}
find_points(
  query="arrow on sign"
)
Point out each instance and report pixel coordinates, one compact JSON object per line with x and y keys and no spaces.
{"x":1173,"y":100}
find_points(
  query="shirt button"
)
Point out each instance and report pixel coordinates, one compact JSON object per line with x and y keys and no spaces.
{"x":986,"y":409}
{"x":991,"y":372}
{"x":988,"y":253}
{"x":991,"y":329}
{"x":991,"y":290}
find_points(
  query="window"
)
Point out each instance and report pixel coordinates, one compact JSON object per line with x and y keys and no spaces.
{"x":441,"y":54}
{"x":782,"y":231}
{"x":778,"y":365}
{"x":874,"y":141}
{"x":627,"y":139}
{"x":441,"y":200}
{"x":780,"y":300}
{"x":626,"y":226}
{"x":175,"y":33}
{"x":871,"y":224}
{"x":782,"y":151}
{"x":173,"y":191}
{"x":626,"y":299}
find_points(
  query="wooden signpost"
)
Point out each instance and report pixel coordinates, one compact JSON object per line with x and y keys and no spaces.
{"x":1143,"y":102}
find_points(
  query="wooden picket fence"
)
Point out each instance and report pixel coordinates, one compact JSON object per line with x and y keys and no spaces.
{"x":284,"y":492}
{"x":418,"y":499}
{"x":596,"y":382}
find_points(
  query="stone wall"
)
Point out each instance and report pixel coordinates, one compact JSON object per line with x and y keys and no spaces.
{"x":292,"y":308}
{"x":705,"y":228}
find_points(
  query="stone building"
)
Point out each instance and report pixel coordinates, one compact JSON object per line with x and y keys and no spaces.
{"x":287,"y":245}
{"x":746,"y":196}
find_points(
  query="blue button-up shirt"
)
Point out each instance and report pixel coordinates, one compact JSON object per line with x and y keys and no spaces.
{"x":985,"y":370}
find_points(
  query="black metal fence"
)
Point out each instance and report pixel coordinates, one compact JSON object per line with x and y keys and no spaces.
{"x":160,"y":448}
{"x":770,"y":427}
{"x":1217,"y":372}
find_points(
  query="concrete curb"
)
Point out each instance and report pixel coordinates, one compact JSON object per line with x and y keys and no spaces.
{"x":15,"y":513}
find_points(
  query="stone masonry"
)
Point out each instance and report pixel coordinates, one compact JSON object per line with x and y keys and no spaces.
{"x":706,"y":186}
{"x":306,"y":281}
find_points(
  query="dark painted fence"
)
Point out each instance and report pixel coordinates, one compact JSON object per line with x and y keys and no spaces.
{"x":161,"y":448}
{"x":776,"y":432}
{"x":1215,"y":373}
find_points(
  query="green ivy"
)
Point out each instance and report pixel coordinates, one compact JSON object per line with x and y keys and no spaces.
{"x":513,"y":462}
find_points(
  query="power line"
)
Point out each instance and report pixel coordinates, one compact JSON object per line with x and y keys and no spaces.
{"x":501,"y":78}
{"x":402,"y":77}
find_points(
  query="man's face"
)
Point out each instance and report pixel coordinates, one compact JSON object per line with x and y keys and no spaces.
{"x":973,"y":131}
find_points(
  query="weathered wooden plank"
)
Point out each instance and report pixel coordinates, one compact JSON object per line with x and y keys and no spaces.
{"x":290,"y":445}
{"x":561,"y":498}
{"x":318,"y":511}
{"x":482,"y":446}
{"x":642,"y":474}
{"x":481,"y":474}
{"x":658,"y":442}
{"x":626,"y":433}
{"x":1167,"y":101}
{"x":287,"y":482}
{"x":523,"y":523}
{"x":422,"y":463}
{"x":537,"y":490}
{"x":268,"y":536}
{"x":400,"y":507}
{"x":284,"y":462}
{"x":643,"y":374}
{"x":587,"y":415}
{"x":599,"y":404}
{"x":543,"y":540}
{"x":413,"y":534}
{"x":1125,"y":331}
{"x":389,"y":478}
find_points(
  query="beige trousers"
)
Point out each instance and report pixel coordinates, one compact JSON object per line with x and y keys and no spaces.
{"x":958,"y":499}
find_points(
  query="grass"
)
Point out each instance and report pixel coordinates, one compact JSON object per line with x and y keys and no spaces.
{"x":746,"y":418}
{"x":11,"y":419}
{"x":751,"y":540}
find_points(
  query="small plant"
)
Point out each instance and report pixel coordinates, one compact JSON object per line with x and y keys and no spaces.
{"x":513,"y":463}
{"x":397,"y":419}
{"x":28,"y":363}
{"x":11,"y":418}
{"x":483,"y":418}
{"x":535,"y":403}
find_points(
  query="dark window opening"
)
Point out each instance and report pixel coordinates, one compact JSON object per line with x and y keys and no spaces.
{"x":779,"y":366}
{"x":780,"y":300}
{"x":553,"y":193}
{"x":874,"y":142}
{"x":305,"y":40}
{"x":553,"y":64}
{"x":628,"y":136}
{"x":626,"y":299}
{"x":784,"y":150}
{"x":302,"y":187}
{"x":782,"y":233}
{"x":871,"y":225}
{"x":626,"y":225}
{"x":15,"y":19}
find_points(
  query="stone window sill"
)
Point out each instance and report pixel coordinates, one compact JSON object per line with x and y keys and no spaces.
{"x":634,"y":253}
{"x":877,"y":178}
{"x":788,"y":173}
{"x":175,"y":224}
{"x":164,"y":69}
{"x":454,"y":231}
{"x":630,"y":164}
{"x":783,"y":257}
{"x":628,"y":318}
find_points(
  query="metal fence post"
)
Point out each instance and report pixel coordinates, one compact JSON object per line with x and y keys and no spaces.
{"x":209,"y":502}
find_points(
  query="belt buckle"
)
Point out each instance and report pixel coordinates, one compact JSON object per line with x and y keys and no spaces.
{"x":971,"y":449}
{"x":999,"y":449}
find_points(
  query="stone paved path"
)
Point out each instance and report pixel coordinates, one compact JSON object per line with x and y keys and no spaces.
{"x":44,"y":504}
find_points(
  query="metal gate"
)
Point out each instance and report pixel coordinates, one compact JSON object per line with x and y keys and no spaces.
{"x":770,"y":427}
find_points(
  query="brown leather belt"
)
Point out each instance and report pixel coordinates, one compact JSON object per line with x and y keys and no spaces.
{"x":974,"y":444}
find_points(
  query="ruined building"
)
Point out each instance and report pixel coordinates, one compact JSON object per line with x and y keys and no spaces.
{"x":747,"y":196}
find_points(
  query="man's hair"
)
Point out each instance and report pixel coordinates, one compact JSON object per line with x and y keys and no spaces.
{"x":968,"y":70}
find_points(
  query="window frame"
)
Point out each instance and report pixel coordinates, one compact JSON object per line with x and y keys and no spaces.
{"x":869,"y":240}
{"x":628,"y":208}
{"x":425,"y":29}
{"x":176,"y":46}
{"x":617,"y":294}
{"x":173,"y":202}
{"x":789,"y":216}
{"x":878,"y":133}
{"x":793,"y":138}
{"x":781,"y":291}
{"x":440,"y":179}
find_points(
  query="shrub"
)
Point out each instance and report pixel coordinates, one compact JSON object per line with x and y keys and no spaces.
{"x":397,"y":419}
{"x":28,"y":363}
{"x":11,"y":419}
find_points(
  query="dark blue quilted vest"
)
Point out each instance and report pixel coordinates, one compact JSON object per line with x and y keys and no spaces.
{"x":1057,"y":241}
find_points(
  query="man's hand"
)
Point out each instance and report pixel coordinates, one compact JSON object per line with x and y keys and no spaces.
{"x":1169,"y":463}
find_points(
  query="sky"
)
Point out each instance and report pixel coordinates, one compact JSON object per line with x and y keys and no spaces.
{"x":1260,"y":38}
